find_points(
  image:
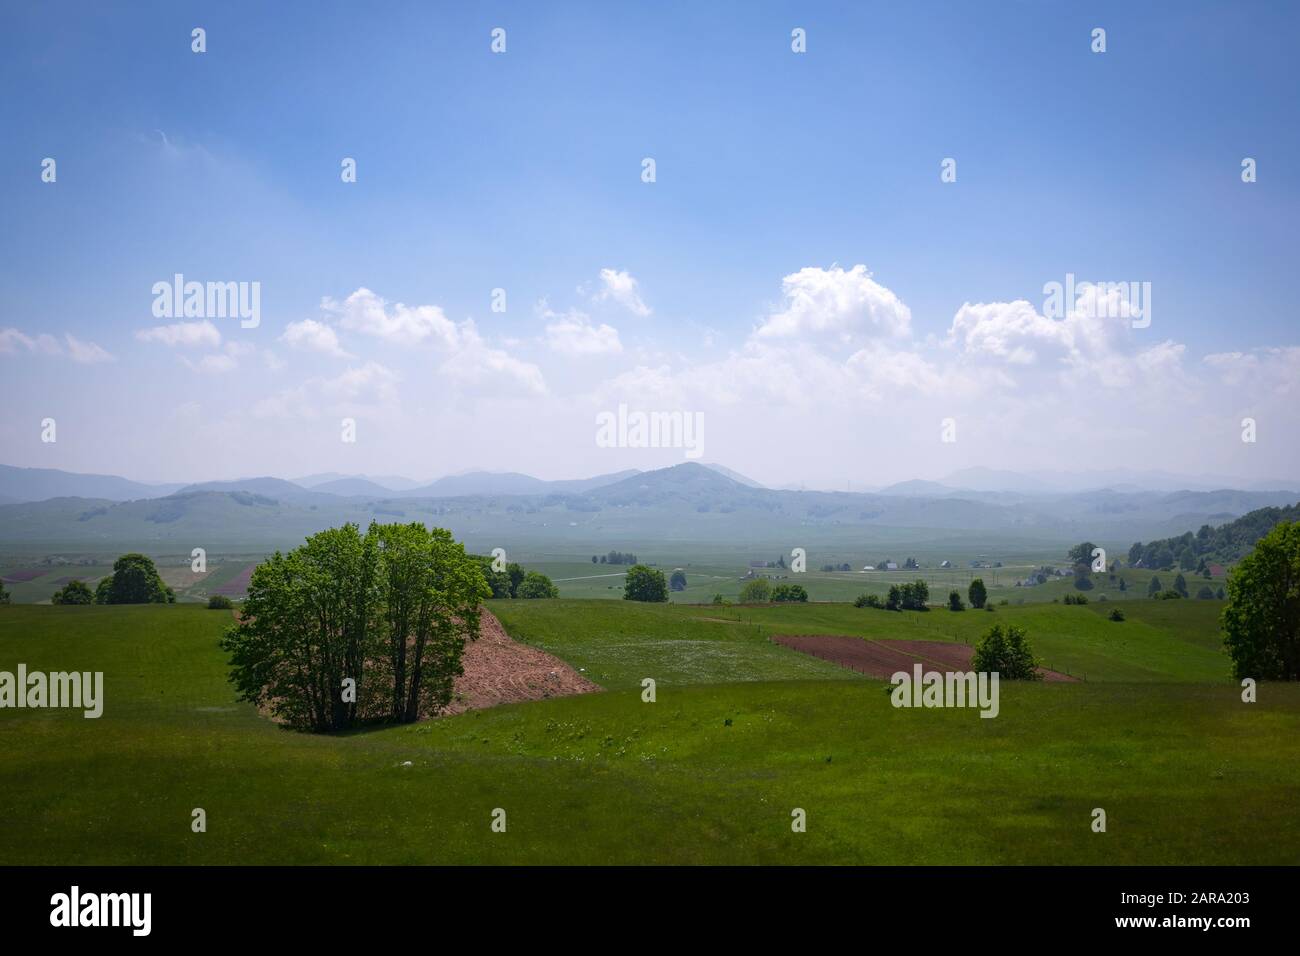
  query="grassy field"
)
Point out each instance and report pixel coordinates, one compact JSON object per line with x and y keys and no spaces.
{"x":743,"y":731}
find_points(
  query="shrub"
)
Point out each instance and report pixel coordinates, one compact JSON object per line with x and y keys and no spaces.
{"x":1075,"y":599}
{"x":954,"y":601}
{"x":1006,"y":651}
{"x":868,"y":600}
{"x":678,"y":581}
{"x":789,"y":592}
{"x":1116,"y":614}
{"x":977,"y":593}
{"x":74,"y":592}
{"x":717,"y":599}
{"x":219,"y":602}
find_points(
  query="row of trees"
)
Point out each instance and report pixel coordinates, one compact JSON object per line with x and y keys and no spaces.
{"x":134,"y":580}
{"x":515,"y":581}
{"x":1224,"y":544}
{"x":351,"y":627}
{"x":614,"y":557}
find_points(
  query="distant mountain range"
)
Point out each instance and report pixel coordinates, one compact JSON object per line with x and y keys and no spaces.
{"x":687,"y":502}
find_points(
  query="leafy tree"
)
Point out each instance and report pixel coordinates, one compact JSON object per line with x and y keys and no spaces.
{"x":757,"y":591}
{"x":1083,"y":582}
{"x":1123,"y":586}
{"x":1187,"y":558}
{"x":894,"y":600}
{"x":868,"y":600}
{"x":515,"y":572}
{"x":1180,"y":585}
{"x":977,"y":593}
{"x":678,"y":581}
{"x":74,"y":592}
{"x":310,"y":622}
{"x":593,"y":559}
{"x":955,"y":602}
{"x":717,"y":598}
{"x":645,"y":584}
{"x":538,"y":585}
{"x":1205,"y":594}
{"x":1154,"y":587}
{"x":134,"y":580}
{"x":4,"y":594}
{"x":219,"y":602}
{"x":1082,"y":553}
{"x":1116,"y":614}
{"x":1006,"y":650}
{"x":1261,"y":621}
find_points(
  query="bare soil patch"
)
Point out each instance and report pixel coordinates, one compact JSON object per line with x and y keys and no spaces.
{"x":883,"y":659}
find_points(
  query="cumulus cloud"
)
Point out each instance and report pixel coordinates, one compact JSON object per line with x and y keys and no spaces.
{"x":183,"y":334}
{"x":847,"y":304}
{"x":313,"y":336}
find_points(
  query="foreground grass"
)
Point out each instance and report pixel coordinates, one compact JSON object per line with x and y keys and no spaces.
{"x":708,"y":773}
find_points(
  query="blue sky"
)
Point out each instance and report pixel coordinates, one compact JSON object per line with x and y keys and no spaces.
{"x":521,"y":171}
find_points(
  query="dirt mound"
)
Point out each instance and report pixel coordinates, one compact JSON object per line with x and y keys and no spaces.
{"x":500,"y":670}
{"x":885,"y":658}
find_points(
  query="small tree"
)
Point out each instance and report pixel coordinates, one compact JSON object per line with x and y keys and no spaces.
{"x":1006,"y":650}
{"x":645,"y":584}
{"x":4,"y":594}
{"x":537,"y":585}
{"x":868,"y":600}
{"x":134,"y":580}
{"x":977,"y":593}
{"x":219,"y":602}
{"x":955,"y":602}
{"x":74,"y":592}
{"x":1180,"y":585}
{"x":757,"y":591}
{"x":1155,"y":587}
{"x":1261,"y":622}
{"x":789,"y":592}
{"x":894,"y":600}
{"x":678,"y":580}
{"x":1116,"y":614}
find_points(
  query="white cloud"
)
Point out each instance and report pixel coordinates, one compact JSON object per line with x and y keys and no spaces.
{"x":620,"y":287}
{"x":314,"y":336}
{"x":11,"y":340}
{"x":86,"y":353}
{"x":367,"y":313}
{"x":201,"y":334}
{"x":574,"y":334}
{"x":847,"y":304}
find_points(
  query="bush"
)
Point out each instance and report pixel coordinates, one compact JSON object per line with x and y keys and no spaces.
{"x":717,"y":599}
{"x":1170,"y":595}
{"x":1205,"y":594}
{"x":868,"y":600}
{"x":1006,"y":651}
{"x":789,"y":592}
{"x":74,"y":592}
{"x":954,"y":601}
{"x":678,"y":581}
{"x":757,"y":591}
{"x":1075,"y":599}
{"x":645,"y":584}
{"x":537,"y":585}
{"x":219,"y":602}
{"x":977,"y":593}
{"x":1116,"y":614}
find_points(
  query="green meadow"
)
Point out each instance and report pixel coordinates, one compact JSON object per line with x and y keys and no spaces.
{"x":743,"y":731}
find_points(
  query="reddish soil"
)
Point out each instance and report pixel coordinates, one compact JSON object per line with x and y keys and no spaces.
{"x":885,"y":658}
{"x":499,"y":670}
{"x":238,"y":585}
{"x":23,"y":575}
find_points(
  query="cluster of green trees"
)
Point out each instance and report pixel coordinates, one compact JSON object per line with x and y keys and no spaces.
{"x":1261,"y":622}
{"x":783,"y":593}
{"x":351,"y":627}
{"x":1224,"y":544}
{"x":908,"y":597}
{"x":515,"y":581}
{"x":134,"y":580}
{"x":1007,"y":651}
{"x":842,"y":566}
{"x":614,"y":557}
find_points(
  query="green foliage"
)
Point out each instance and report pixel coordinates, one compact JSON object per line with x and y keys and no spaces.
{"x":74,"y":592}
{"x":390,"y":611}
{"x":134,"y":580}
{"x":1224,"y":544}
{"x":977,"y":593}
{"x":789,"y":592}
{"x":1006,"y":650}
{"x":219,"y":602}
{"x":1169,"y":594}
{"x":1082,"y":553}
{"x":644,"y":584}
{"x":678,"y":580}
{"x":1180,"y":585}
{"x":1075,"y":599}
{"x":717,"y":598}
{"x":1261,"y":622}
{"x":868,"y":600}
{"x":4,"y":594}
{"x":1154,"y":587}
{"x":537,"y":585}
{"x":955,"y":602}
{"x":1116,"y":614}
{"x":757,"y":591}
